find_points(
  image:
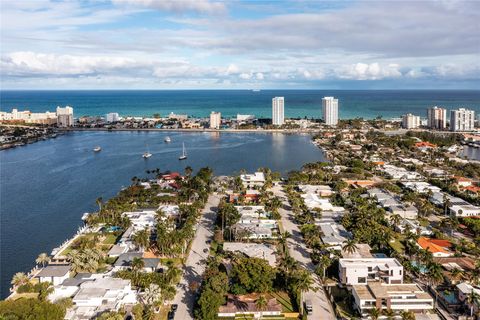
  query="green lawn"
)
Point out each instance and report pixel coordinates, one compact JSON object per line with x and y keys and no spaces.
{"x":284,"y":299}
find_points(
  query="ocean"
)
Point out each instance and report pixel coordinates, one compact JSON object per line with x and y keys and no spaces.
{"x":46,"y":187}
{"x":199,"y":103}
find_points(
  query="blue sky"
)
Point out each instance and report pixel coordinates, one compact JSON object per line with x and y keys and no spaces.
{"x":182,"y":44}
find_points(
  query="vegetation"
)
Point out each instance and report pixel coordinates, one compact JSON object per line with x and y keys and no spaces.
{"x":26,"y":309}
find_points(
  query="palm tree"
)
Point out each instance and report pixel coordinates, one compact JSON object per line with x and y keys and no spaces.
{"x":407,"y":315}
{"x":324,"y":263}
{"x":283,"y":240}
{"x":350,"y":246}
{"x":389,"y":313}
{"x":141,"y":239}
{"x":137,"y":264}
{"x":303,"y":281}
{"x":99,"y":202}
{"x":374,"y":313}
{"x":456,"y":274}
{"x":471,"y":299}
{"x":19,"y":279}
{"x":395,"y":219}
{"x":42,"y":259}
{"x":435,"y":276}
{"x":261,"y":304}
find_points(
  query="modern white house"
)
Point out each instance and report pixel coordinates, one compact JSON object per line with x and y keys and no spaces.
{"x":101,"y":295}
{"x":142,"y":219}
{"x":55,"y":274}
{"x":396,"y":297}
{"x":253,"y":180}
{"x":356,"y":271}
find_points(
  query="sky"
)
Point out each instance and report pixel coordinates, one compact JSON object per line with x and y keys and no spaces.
{"x":208,"y":44}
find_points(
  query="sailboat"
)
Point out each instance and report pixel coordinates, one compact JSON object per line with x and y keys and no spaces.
{"x":146,"y":154}
{"x":184,"y":153}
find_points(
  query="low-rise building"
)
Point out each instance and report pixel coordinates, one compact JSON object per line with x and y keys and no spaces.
{"x":99,"y":296}
{"x":55,"y":274}
{"x":355,"y":271}
{"x":396,"y":297}
{"x":246,"y":305}
{"x":333,"y":234}
{"x":253,"y":180}
{"x":253,"y":250}
{"x":438,"y":247}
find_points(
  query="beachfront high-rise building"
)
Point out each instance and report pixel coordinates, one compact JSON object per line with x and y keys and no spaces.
{"x":112,"y":117}
{"x":278,"y":105}
{"x":462,"y":119}
{"x":215,"y":120}
{"x":437,"y":118}
{"x":330,"y":111}
{"x":65,"y":116}
{"x":410,"y":121}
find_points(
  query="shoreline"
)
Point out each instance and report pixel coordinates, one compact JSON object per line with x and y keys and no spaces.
{"x":308,"y":131}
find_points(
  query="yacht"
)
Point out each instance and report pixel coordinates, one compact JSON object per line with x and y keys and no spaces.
{"x":97,"y":149}
{"x":168,"y":140}
{"x":184,"y":153}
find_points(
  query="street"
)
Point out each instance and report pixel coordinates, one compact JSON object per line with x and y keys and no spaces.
{"x":322,"y":309}
{"x":195,"y":264}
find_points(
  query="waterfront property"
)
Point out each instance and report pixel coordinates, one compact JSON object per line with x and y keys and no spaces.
{"x":396,"y":297}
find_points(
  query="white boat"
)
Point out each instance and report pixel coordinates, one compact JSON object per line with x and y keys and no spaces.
{"x":167,"y":139}
{"x":184,"y":153}
{"x":146,"y":154}
{"x":97,"y":149}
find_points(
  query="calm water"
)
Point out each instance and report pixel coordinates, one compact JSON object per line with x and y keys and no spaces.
{"x":47,"y":186}
{"x":199,"y":103}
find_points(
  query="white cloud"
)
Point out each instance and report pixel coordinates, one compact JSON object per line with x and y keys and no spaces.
{"x":29,"y":63}
{"x":177,"y":6}
{"x":372,"y":71}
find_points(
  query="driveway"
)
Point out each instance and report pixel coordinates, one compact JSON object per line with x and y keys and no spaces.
{"x":195,"y":264}
{"x":322,"y":309}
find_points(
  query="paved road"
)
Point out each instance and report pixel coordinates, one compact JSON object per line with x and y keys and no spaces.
{"x":195,"y":264}
{"x":322,"y":309}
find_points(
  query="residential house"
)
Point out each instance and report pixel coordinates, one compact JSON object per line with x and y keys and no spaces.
{"x":438,"y":247}
{"x":396,"y":297}
{"x":253,"y":180}
{"x":99,"y":296}
{"x":253,"y":250}
{"x":55,"y":274}
{"x":354,"y":271}
{"x":246,"y":305}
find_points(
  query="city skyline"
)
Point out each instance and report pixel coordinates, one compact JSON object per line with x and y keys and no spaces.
{"x":239,"y":45}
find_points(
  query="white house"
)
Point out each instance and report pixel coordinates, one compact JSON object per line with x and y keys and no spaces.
{"x":101,"y":295}
{"x":253,"y":180}
{"x":354,"y":271}
{"x":55,"y":274}
{"x":396,"y":297}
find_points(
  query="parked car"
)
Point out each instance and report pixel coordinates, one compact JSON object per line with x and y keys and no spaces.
{"x":174,"y":307}
{"x":309,"y":307}
{"x":171,"y":315}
